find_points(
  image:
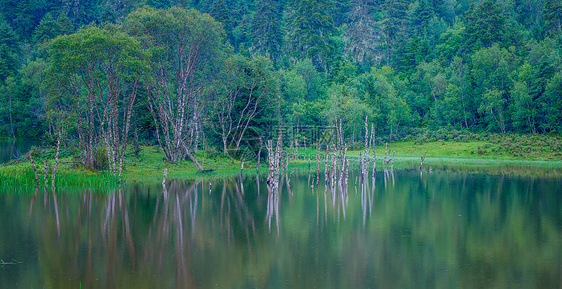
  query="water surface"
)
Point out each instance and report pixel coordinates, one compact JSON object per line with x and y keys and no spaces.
{"x":10,"y":150}
{"x":403,"y":229}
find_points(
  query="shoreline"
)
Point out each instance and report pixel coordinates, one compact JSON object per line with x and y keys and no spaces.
{"x":148,"y":166}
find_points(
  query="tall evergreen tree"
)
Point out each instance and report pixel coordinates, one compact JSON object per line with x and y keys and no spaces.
{"x":552,"y":14}
{"x":21,"y":15}
{"x":49,"y":27}
{"x":266,"y":34}
{"x":309,"y":32}
{"x":420,"y":17}
{"x":339,"y":10}
{"x":80,"y":12}
{"x":486,"y":24}
{"x":362,"y":35}
{"x":394,"y":24}
{"x":222,"y":12}
{"x":8,"y":50}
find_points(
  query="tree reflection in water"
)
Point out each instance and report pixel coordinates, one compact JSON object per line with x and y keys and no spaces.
{"x":442,"y":230}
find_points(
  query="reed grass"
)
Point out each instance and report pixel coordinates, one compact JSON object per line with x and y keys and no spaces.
{"x":22,"y":175}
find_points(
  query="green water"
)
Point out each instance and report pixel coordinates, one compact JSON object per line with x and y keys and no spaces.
{"x":10,"y":150}
{"x":448,"y":229}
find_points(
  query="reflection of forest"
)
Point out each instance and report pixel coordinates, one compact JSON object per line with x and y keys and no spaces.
{"x":394,"y":230}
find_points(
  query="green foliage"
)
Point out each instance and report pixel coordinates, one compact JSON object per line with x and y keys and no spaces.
{"x":486,"y":24}
{"x":267,"y":37}
{"x":309,"y":32}
{"x":8,"y":48}
{"x":552,"y":14}
{"x":362,"y":35}
{"x":490,"y":66}
{"x":49,"y":27}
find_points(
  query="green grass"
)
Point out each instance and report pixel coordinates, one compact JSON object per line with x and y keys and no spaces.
{"x":148,"y":166}
{"x":21,"y":174}
{"x":465,"y":150}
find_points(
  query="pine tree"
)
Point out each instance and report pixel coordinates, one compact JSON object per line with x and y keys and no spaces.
{"x":222,"y":13}
{"x":552,"y":14}
{"x":8,"y":50}
{"x":49,"y":27}
{"x":486,"y":24}
{"x":266,"y":30}
{"x":420,"y":17}
{"x":310,"y":31}
{"x":363,"y":35}
{"x":394,"y":25}
{"x":21,"y":15}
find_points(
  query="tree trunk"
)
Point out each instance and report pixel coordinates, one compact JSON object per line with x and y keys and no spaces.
{"x":56,"y":157}
{"x":33,"y":167}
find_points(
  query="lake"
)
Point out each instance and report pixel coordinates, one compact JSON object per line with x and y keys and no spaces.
{"x":400,"y":229}
{"x":10,"y":150}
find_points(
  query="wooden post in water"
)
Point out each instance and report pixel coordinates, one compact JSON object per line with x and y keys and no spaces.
{"x":165,"y":176}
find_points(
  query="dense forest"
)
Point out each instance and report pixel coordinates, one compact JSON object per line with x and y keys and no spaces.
{"x":217,"y":73}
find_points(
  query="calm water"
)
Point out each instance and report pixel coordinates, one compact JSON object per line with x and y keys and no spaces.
{"x":10,"y":150}
{"x":401,"y":230}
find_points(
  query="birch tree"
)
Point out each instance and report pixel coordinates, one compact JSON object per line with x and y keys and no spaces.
{"x":100,"y":69}
{"x":186,"y":47}
{"x":248,"y":88}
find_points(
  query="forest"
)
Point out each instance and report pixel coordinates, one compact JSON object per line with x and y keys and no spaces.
{"x":101,"y":76}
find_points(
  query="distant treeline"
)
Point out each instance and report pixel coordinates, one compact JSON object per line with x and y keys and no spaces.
{"x":212,"y":73}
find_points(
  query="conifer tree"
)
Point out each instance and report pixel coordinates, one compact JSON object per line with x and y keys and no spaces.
{"x":309,"y":32}
{"x":486,"y":24}
{"x":363,"y":35}
{"x":552,"y":14}
{"x":393,"y":24}
{"x":8,"y":49}
{"x":266,"y":32}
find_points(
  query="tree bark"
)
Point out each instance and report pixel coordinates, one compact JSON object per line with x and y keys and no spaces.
{"x":33,"y":167}
{"x":56,"y":157}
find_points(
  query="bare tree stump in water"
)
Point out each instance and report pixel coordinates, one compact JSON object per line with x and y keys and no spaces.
{"x":422,"y":159}
{"x":33,"y":167}
{"x":56,"y":159}
{"x":165,"y":176}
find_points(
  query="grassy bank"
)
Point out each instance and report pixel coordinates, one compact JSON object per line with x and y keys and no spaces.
{"x":149,"y":164}
{"x":67,"y":176}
